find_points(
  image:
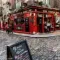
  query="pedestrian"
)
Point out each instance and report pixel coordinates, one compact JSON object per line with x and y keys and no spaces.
{"x":10,"y":28}
{"x":45,"y":26}
{"x":48,"y":26}
{"x":7,"y":28}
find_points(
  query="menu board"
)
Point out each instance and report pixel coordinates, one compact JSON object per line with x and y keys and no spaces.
{"x":20,"y":51}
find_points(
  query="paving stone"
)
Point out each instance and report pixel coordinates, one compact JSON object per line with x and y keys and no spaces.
{"x":41,"y":48}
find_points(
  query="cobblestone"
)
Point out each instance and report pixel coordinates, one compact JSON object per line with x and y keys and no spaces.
{"x":41,"y":48}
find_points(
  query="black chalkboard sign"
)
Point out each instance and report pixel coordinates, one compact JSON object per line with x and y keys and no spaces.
{"x":19,"y":51}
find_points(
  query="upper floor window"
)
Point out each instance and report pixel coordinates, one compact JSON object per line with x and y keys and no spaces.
{"x":44,"y":1}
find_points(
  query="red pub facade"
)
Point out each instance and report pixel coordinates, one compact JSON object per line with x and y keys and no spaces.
{"x":36,"y":20}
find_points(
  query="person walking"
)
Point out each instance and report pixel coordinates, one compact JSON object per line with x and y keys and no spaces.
{"x":48,"y":26}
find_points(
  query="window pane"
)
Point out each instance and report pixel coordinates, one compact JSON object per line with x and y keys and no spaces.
{"x":44,"y":1}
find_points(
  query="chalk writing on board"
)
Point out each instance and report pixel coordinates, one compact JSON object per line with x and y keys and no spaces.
{"x":20,"y":52}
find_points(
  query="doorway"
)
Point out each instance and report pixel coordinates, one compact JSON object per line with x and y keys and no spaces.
{"x":27,"y":24}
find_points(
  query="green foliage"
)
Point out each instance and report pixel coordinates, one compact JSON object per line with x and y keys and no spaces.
{"x":8,"y":3}
{"x":40,"y":3}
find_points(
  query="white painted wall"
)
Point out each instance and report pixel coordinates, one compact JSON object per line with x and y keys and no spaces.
{"x":4,"y":1}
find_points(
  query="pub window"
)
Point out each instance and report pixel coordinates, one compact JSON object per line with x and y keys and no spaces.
{"x":19,"y":20}
{"x":57,"y":22}
{"x":44,"y":1}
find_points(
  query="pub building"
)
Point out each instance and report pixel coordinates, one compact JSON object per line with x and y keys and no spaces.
{"x":35,"y":19}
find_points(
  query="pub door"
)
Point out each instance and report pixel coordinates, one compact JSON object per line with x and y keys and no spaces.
{"x":39,"y":23}
{"x":26,"y":24}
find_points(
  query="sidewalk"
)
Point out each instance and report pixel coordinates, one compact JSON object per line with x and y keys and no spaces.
{"x":56,"y":33}
{"x":41,"y":35}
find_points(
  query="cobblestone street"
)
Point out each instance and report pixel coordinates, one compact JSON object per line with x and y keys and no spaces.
{"x":41,"y":48}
